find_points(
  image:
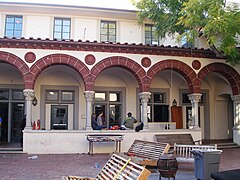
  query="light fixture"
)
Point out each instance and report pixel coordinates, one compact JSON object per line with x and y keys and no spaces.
{"x":174,"y":103}
{"x":34,"y":101}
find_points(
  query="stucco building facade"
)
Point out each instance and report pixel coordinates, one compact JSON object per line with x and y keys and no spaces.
{"x":60,"y":64}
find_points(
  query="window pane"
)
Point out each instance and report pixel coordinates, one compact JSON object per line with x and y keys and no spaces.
{"x":66,"y":36}
{"x":158,"y":98}
{"x":57,"y":35}
{"x":112,"y":25}
{"x":66,"y":29}
{"x":4,"y":94}
{"x":9,"y":33}
{"x":100,"y":96}
{"x":104,"y":25}
{"x":52,"y":96}
{"x":103,"y":38}
{"x":67,"y":96}
{"x":18,"y":95}
{"x":66,"y":22}
{"x":112,"y":31}
{"x":112,"y":39}
{"x":114,"y":97}
{"x":9,"y":26}
{"x":57,"y":28}
{"x":58,"y":22}
{"x":18,"y":34}
{"x":10,"y":19}
{"x":18,"y":26}
{"x":104,"y":31}
{"x":114,"y":115}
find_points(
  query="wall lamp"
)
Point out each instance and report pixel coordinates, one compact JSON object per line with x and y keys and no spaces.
{"x":34,"y":101}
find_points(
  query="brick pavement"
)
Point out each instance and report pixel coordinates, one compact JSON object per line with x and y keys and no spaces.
{"x":19,"y":167}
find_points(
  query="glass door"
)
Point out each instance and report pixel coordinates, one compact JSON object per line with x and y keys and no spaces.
{"x":17,"y":118}
{"x":59,"y":117}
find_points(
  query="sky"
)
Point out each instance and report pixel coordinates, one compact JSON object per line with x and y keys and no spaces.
{"x":115,"y":4}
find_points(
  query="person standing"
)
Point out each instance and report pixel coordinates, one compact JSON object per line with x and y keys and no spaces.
{"x":129,"y":121}
{"x":1,"y":121}
{"x":100,"y":119}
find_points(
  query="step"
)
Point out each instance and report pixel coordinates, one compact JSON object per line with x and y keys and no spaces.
{"x":11,"y":149}
{"x":11,"y":152}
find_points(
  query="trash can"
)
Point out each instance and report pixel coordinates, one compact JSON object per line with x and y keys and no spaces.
{"x":206,"y":162}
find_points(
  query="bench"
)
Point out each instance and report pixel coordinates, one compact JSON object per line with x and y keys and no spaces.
{"x":147,"y":153}
{"x":183,"y":152}
{"x":117,"y":167}
{"x":185,"y":139}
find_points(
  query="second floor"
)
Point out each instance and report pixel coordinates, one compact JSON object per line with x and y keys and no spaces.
{"x":79,"y":23}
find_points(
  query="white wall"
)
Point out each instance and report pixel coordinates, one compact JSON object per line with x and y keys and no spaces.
{"x":129,"y":32}
{"x":85,"y":29}
{"x":38,"y":26}
{"x":72,"y":142}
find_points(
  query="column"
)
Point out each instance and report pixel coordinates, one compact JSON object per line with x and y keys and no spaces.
{"x":236,"y":110}
{"x":29,"y":95}
{"x":194,"y":98}
{"x":89,"y":99}
{"x":236,"y":116}
{"x":144,"y":97}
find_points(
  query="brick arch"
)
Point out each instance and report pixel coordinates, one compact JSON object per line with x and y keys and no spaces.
{"x":16,"y":62}
{"x":227,"y":71}
{"x":54,"y":59}
{"x":120,"y":61}
{"x":170,"y":64}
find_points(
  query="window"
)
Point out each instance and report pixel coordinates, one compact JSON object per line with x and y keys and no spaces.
{"x":13,"y":26}
{"x":4,"y":94}
{"x":17,"y":95}
{"x":59,"y":96}
{"x":151,"y":36}
{"x":108,"y":31}
{"x":157,"y":109}
{"x":110,"y":103}
{"x":62,"y":28}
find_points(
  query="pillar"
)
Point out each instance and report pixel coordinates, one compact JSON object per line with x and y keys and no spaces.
{"x":29,"y":95}
{"x":194,"y":98}
{"x":89,"y":99}
{"x":144,"y":97}
{"x":236,"y":119}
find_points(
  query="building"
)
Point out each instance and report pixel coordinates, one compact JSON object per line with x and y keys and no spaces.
{"x":59,"y":64}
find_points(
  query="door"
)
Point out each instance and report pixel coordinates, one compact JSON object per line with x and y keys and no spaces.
{"x":16,"y":124}
{"x":4,"y":124}
{"x":59,"y":117}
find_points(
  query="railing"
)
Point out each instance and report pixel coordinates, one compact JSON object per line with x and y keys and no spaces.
{"x":162,"y":125}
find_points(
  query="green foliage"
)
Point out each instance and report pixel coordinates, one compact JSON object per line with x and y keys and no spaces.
{"x":210,"y":19}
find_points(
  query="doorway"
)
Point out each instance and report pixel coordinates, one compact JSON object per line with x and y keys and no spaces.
{"x":4,"y":124}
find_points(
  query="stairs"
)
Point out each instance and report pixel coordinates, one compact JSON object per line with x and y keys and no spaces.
{"x":222,"y":143}
{"x":11,"y":148}
{"x":227,"y":145}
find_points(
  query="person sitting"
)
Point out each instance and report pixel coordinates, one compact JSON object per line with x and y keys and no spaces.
{"x":95,"y":125}
{"x":129,"y":121}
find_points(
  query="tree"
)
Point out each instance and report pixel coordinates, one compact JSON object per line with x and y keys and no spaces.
{"x":214,"y":20}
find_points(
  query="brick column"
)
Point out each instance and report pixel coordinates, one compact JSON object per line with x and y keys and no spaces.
{"x":144,"y":97}
{"x":89,"y":99}
{"x":29,"y":95}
